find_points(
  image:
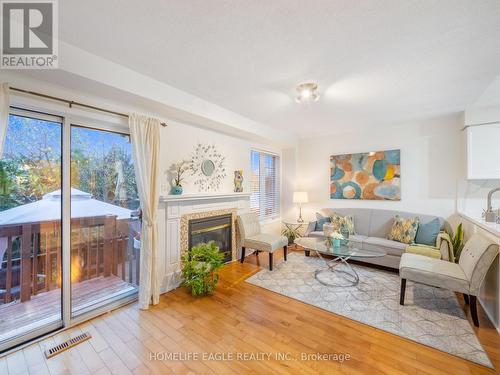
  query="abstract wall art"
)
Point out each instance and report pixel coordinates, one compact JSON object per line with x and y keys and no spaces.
{"x":369,"y":175}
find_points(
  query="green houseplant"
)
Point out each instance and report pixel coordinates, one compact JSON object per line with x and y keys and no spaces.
{"x":200,"y":266}
{"x":457,"y":241}
{"x":290,"y":233}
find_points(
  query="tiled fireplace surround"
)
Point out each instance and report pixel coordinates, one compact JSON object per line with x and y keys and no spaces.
{"x":177,"y":211}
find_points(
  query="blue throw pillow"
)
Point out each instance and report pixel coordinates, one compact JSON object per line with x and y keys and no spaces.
{"x":427,"y":233}
{"x":320,"y":221}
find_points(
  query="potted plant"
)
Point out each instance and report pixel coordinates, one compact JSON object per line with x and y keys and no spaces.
{"x":457,"y":241}
{"x":200,"y":266}
{"x":290,"y":233}
{"x":178,"y":170}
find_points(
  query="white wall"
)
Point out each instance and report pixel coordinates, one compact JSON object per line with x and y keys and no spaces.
{"x":178,"y":142}
{"x":429,"y":165}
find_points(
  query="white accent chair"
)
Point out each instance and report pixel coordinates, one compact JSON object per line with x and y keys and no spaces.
{"x":465,"y":277}
{"x":252,"y":237}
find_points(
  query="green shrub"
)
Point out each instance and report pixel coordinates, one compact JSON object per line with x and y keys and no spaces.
{"x":200,"y":266}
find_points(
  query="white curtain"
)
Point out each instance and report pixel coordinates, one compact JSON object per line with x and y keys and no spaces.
{"x":4,"y":113}
{"x":145,"y":137}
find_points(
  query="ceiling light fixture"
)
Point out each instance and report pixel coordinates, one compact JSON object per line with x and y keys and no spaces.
{"x":307,"y":91}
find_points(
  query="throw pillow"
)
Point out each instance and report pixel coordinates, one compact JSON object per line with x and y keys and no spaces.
{"x":404,"y":230}
{"x":346,"y":221}
{"x":427,"y":233}
{"x":320,"y":221}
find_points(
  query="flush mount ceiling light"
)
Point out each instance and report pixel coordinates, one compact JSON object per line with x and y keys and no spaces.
{"x":307,"y":91}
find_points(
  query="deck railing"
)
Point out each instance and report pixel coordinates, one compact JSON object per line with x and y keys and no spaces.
{"x":100,"y":247}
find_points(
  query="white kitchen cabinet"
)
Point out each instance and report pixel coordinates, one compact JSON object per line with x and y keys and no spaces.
{"x":483,"y":152}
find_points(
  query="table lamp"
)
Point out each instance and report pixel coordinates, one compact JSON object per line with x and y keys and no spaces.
{"x":300,"y":197}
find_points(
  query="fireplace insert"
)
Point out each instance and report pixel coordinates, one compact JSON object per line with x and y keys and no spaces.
{"x":215,"y":228}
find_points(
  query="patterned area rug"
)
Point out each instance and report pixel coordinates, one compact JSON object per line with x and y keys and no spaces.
{"x":431,"y":316}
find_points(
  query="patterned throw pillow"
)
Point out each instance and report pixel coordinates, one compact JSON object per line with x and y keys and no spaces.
{"x":346,"y":221}
{"x":320,"y":221}
{"x":404,"y":230}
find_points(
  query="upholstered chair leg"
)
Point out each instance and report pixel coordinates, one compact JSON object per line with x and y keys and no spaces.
{"x":402,"y":293}
{"x":284,"y":252}
{"x":270,"y":261}
{"x":466,"y":298}
{"x":242,"y":254}
{"x":256,"y":252}
{"x":473,"y":310}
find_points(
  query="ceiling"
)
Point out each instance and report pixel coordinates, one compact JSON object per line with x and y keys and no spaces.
{"x":377,"y":62}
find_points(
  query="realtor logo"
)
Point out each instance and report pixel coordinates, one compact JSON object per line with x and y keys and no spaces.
{"x":29,"y":34}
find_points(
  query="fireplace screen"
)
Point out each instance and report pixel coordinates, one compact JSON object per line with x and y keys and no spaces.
{"x":215,"y":228}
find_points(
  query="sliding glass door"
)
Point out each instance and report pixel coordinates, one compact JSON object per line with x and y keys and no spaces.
{"x":105,"y":238}
{"x":30,"y":227}
{"x":69,"y":239}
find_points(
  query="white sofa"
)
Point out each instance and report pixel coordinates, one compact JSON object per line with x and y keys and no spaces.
{"x":372,"y":228}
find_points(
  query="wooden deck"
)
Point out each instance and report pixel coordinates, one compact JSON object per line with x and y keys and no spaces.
{"x":45,"y":308}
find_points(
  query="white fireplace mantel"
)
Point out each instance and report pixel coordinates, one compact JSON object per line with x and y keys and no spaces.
{"x":171,"y":210}
{"x":203,"y":196}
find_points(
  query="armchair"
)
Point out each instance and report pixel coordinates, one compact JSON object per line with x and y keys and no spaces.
{"x":465,"y":277}
{"x":252,"y":237}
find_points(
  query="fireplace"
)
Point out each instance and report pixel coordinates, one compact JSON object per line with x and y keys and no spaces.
{"x":214,"y":228}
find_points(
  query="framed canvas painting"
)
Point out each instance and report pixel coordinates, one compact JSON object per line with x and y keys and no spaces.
{"x":372,"y":175}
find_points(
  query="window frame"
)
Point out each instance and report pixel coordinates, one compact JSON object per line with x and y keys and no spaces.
{"x":262,"y":188}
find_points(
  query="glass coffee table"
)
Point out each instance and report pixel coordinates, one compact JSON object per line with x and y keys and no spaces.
{"x":322,"y":246}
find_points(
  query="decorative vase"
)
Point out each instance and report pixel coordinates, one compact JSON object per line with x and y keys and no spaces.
{"x":336,"y":242}
{"x":344,"y":231}
{"x":238,"y":181}
{"x":176,"y":190}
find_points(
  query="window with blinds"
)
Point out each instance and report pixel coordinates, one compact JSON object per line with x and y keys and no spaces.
{"x":264,"y":185}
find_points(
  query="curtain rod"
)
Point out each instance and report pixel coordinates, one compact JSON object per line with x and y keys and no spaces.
{"x":71,"y":103}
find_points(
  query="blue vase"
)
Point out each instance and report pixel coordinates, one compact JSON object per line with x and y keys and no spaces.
{"x":176,"y":190}
{"x":344,"y":231}
{"x":336,"y":242}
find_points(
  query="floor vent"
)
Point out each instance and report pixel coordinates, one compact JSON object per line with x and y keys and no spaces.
{"x":67,"y":344}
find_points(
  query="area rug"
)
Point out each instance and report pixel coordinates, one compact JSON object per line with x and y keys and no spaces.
{"x":431,"y":316}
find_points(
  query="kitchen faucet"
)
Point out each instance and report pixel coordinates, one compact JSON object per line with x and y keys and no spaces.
{"x":490,"y":215}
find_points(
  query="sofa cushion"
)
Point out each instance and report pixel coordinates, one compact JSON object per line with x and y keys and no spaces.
{"x":427,"y":233}
{"x":359,"y":238}
{"x":404,"y":230}
{"x":265,"y":242}
{"x":390,"y":247}
{"x":434,"y":272}
{"x":316,"y":233}
{"x":425,"y":250}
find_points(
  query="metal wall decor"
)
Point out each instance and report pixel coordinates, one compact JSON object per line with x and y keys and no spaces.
{"x":207,"y":165}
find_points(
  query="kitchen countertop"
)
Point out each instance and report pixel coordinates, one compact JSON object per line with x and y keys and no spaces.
{"x":493,"y":228}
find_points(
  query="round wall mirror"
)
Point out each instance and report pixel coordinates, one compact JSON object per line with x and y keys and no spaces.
{"x":207,"y":167}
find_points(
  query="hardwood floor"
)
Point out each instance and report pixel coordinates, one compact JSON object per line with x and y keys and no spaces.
{"x":17,"y":318}
{"x":239,"y":318}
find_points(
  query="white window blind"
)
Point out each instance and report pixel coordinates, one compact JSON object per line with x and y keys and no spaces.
{"x":264,"y":185}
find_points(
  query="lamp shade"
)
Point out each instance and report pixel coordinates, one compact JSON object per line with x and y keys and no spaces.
{"x":300,"y":197}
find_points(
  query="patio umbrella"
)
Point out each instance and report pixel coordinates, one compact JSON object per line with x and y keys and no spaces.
{"x":49,"y":208}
